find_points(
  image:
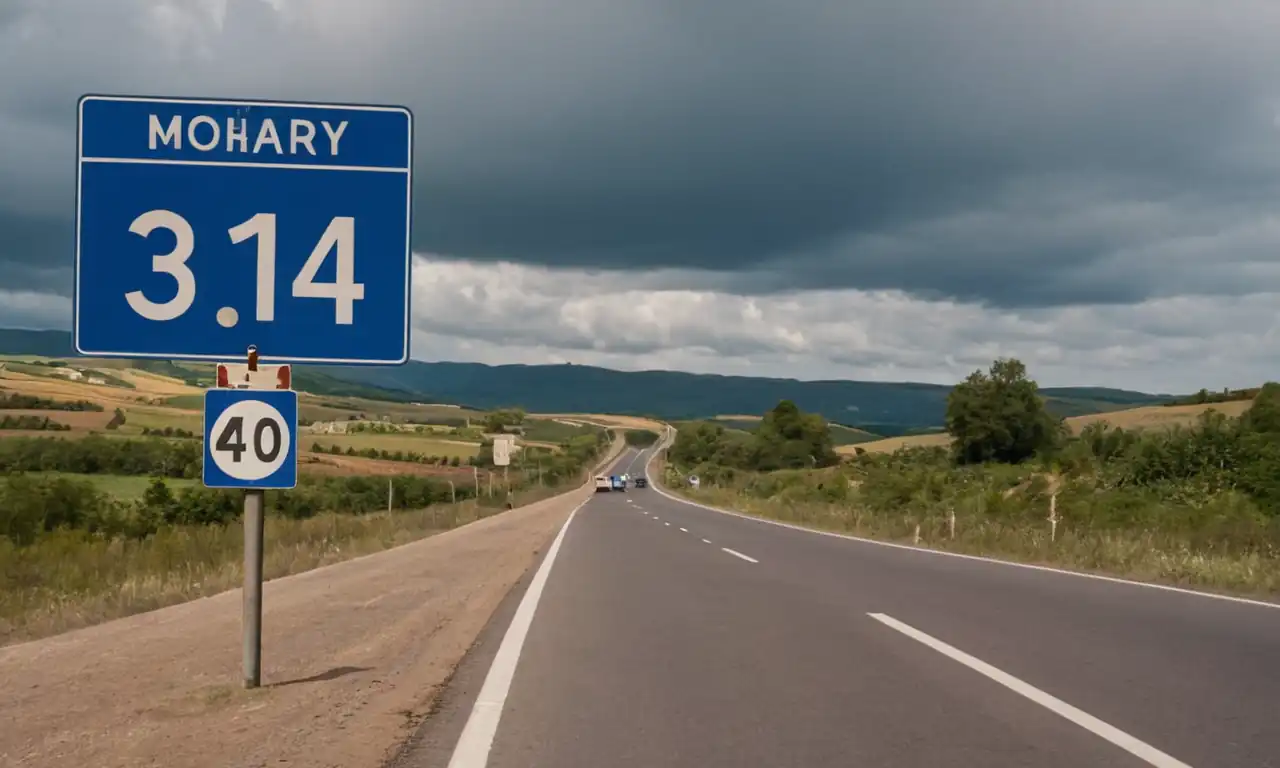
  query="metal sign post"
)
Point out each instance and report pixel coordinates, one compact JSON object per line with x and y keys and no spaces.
{"x":251,"y":439}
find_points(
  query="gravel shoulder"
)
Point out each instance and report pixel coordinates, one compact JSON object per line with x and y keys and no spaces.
{"x":354,"y":655}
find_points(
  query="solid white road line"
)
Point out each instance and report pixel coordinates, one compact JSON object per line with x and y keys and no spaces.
{"x":472,"y":750}
{"x":976,"y":558}
{"x":1133,"y":746}
{"x":739,"y":554}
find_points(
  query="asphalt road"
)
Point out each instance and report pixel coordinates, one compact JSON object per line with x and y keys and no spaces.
{"x":659,"y":633}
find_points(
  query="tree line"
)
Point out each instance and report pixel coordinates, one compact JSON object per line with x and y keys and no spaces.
{"x":381,"y":453}
{"x":32,"y":422}
{"x":787,"y":438}
{"x":12,"y":401}
{"x":998,"y":418}
{"x":33,"y":503}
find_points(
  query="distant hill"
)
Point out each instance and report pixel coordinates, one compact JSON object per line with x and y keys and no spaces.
{"x":881,"y":408}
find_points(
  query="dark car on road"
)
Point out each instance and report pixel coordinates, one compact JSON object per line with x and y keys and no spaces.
{"x":641,"y":482}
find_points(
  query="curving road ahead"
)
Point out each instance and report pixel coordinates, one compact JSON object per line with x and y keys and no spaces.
{"x":657,"y":632}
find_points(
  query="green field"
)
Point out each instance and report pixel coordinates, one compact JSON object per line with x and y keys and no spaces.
{"x":186,"y":402}
{"x":139,"y":416}
{"x":395,"y":442}
{"x":123,"y":487}
{"x":840,"y":434}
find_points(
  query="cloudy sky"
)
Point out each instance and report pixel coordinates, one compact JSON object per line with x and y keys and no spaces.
{"x":890,"y":190}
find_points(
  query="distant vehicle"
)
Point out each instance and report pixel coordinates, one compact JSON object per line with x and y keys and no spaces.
{"x":641,"y":482}
{"x":603,"y":484}
{"x":619,"y":484}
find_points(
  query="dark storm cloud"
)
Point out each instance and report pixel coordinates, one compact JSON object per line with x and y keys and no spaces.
{"x":1013,"y":152}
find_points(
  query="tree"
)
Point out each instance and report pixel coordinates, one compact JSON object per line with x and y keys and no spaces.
{"x":1000,"y":416}
{"x":789,"y":438}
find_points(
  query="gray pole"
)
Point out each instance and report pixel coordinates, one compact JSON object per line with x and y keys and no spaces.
{"x":252,"y":622}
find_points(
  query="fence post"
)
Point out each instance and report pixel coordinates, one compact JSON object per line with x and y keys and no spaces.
{"x":951,"y":522}
{"x":1053,"y":517}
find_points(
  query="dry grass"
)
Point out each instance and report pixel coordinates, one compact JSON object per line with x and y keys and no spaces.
{"x":1158,"y":416}
{"x":1144,"y":555}
{"x":95,"y":581}
{"x":71,"y":579}
{"x":1146,"y":417}
{"x":891,"y":444}
{"x":346,"y":466}
{"x":603,"y":420}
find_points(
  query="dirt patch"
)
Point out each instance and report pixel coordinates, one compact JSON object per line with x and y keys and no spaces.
{"x":353,"y":656}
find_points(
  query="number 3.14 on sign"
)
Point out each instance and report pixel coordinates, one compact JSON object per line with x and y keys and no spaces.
{"x":204,"y":227}
{"x":250,"y":438}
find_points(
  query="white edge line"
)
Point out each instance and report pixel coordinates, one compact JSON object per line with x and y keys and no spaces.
{"x":239,"y":164}
{"x":1130,"y":744}
{"x":977,"y":558}
{"x":739,"y":555}
{"x":472,"y":750}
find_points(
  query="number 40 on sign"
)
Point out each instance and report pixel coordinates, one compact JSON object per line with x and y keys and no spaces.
{"x":250,"y":438}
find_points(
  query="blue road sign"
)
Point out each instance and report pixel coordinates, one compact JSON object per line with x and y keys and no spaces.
{"x":250,"y":438}
{"x":204,"y":227}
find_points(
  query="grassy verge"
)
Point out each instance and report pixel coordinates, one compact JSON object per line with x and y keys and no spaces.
{"x":72,"y":579}
{"x":1144,"y":553}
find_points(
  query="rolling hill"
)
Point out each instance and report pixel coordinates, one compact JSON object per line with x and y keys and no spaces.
{"x":881,"y":408}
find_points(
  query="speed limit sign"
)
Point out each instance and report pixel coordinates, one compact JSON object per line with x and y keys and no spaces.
{"x":250,"y":438}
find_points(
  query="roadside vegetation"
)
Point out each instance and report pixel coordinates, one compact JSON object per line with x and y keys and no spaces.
{"x":1195,"y":505}
{"x":101,"y":527}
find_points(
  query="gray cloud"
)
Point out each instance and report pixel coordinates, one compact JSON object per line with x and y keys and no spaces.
{"x":1031,"y":157}
{"x":514,"y":313}
{"x":1017,"y":153}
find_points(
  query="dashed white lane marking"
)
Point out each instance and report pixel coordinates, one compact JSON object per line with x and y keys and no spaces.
{"x":1133,"y":746}
{"x":684,"y":530}
{"x":667,"y":524}
{"x":706,"y":541}
{"x":739,"y":555}
{"x":472,"y":750}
